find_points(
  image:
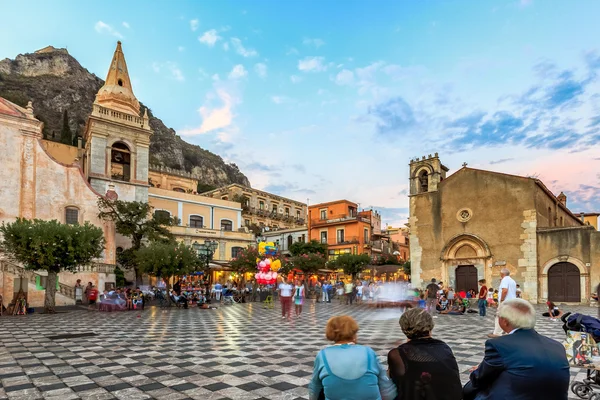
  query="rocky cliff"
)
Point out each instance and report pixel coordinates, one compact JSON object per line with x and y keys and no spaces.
{"x":55,"y":81}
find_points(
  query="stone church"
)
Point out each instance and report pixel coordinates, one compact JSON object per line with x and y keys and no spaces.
{"x":469,"y":225}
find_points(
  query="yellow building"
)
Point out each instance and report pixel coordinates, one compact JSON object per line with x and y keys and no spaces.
{"x":591,"y":219}
{"x":262,"y":208}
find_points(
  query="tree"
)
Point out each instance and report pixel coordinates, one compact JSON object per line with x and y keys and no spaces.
{"x":136,"y":221}
{"x":352,"y":264}
{"x":406,"y":267}
{"x":388,"y":259}
{"x":119,"y":277}
{"x":308,"y":263}
{"x":66,"y":137}
{"x":52,"y":247}
{"x":245,"y":261}
{"x":167,"y":259}
{"x":312,"y":247}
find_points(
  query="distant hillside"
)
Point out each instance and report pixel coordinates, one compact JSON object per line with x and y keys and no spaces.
{"x":55,"y":81}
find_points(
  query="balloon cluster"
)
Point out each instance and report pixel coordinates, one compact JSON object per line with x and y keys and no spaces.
{"x":267,"y":267}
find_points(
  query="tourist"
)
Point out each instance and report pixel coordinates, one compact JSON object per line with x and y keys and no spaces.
{"x":521,"y":364}
{"x":177,"y":287}
{"x":507,"y":291}
{"x":78,"y":292}
{"x":349,"y":290}
{"x":450,"y":296}
{"x":359,"y":292}
{"x":348,"y":370}
{"x":285,"y":297}
{"x":218,"y":291}
{"x":553,"y":312}
{"x":519,"y":292}
{"x":318,"y":291}
{"x":86,"y":292}
{"x":423,"y":367}
{"x":482,"y":298}
{"x":92,"y":296}
{"x":442,"y":304}
{"x":458,"y":308}
{"x":298,"y":297}
{"x":432,"y":292}
{"x":340,"y":292}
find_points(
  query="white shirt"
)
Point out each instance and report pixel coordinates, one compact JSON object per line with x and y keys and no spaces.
{"x":510,"y":284}
{"x":285,"y":289}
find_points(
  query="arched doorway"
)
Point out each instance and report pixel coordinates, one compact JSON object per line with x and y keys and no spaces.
{"x":564,"y":283}
{"x":466,"y":278}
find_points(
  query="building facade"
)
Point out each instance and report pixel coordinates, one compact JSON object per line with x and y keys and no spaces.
{"x":346,"y":230}
{"x":263,"y":209}
{"x":470,"y":225}
{"x":399,"y":241}
{"x":285,"y":238}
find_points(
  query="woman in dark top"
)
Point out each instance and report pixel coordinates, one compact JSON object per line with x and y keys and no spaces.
{"x":423,"y":367}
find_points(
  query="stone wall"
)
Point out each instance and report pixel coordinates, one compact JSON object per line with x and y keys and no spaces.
{"x":528,"y":261}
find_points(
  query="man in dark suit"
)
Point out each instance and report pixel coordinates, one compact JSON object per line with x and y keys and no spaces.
{"x":522,"y":365}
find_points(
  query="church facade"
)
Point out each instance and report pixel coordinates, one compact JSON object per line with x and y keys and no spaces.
{"x":47,"y":180}
{"x":469,"y":225}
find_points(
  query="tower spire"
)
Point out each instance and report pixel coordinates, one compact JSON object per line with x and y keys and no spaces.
{"x":117,"y":92}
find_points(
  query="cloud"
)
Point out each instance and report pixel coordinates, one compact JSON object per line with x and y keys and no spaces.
{"x":258,"y":166}
{"x":238,"y":72}
{"x":280,"y":99}
{"x":292,"y":51}
{"x":394,"y":116}
{"x":313,"y":42}
{"x":202,"y":73}
{"x":180,"y":48}
{"x":102,"y":27}
{"x":525,"y":3}
{"x":299,"y":168}
{"x":210,"y":37}
{"x":215,"y":118}
{"x":226,"y":46}
{"x":261,"y":70}
{"x":241,"y":50}
{"x":312,"y":64}
{"x":344,"y":77}
{"x":126,"y":25}
{"x":171,"y":67}
{"x":295,"y":79}
{"x":501,"y":161}
{"x":585,"y":198}
{"x":287,"y":188}
{"x":194,"y":25}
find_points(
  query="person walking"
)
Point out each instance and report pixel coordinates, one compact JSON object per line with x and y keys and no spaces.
{"x":325,"y":296}
{"x":349,"y":289}
{"x":285,"y":297}
{"x":432,"y":290}
{"x":482,"y":298}
{"x":318,"y":290}
{"x":298,"y":297}
{"x":506,"y":291}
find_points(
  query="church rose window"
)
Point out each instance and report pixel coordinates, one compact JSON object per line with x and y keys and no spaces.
{"x":464,"y":214}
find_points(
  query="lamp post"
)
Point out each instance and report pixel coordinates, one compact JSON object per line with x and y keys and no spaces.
{"x":206,"y":251}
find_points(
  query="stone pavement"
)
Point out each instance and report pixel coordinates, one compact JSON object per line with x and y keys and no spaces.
{"x":238,"y":351}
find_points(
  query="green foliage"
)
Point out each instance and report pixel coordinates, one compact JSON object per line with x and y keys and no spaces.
{"x":52,"y":247}
{"x":312,"y":247}
{"x":388,"y":259}
{"x":204,"y":187}
{"x":245,"y":261}
{"x":167,"y":259}
{"x":66,"y":137}
{"x":352,"y":264}
{"x":119,"y":277}
{"x":406,"y":267}
{"x":307,"y":263}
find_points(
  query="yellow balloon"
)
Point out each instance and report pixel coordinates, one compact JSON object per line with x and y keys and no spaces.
{"x":275,"y":265}
{"x":261,"y":247}
{"x":271,"y":244}
{"x":257,"y":260}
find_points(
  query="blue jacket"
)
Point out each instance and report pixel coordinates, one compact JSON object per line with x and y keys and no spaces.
{"x":521,"y":366}
{"x":350,"y":372}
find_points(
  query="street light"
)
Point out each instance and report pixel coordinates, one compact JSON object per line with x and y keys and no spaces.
{"x":206,"y":251}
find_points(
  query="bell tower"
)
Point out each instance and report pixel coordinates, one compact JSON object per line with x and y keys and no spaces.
{"x":426,"y":174}
{"x":118,"y":137}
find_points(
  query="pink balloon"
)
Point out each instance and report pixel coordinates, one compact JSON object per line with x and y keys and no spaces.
{"x":274,"y":275}
{"x":268,"y":261}
{"x":268,"y":276}
{"x":262,"y":264}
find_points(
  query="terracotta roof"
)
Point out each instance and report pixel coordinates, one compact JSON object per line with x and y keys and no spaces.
{"x":9,"y":108}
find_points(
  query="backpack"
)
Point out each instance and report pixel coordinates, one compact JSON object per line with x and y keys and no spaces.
{"x":582,"y":323}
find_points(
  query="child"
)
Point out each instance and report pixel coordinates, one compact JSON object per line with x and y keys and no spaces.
{"x":422,"y":302}
{"x":450,"y":296}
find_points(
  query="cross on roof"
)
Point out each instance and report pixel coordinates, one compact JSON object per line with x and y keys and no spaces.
{"x":465,"y":164}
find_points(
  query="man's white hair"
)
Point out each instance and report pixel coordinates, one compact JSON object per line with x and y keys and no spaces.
{"x":505,"y":271}
{"x":519,"y":313}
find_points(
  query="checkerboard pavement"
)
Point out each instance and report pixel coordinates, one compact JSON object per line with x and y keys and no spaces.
{"x":240,"y":351}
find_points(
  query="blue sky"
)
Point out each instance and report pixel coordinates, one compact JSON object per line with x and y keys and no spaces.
{"x":325,"y":100}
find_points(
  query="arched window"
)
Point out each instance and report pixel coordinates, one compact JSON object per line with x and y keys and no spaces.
{"x":261,"y":205}
{"x":290,"y":240}
{"x":162,"y":215}
{"x":196,"y":221}
{"x":120,"y":162}
{"x":226,"y":225}
{"x":178,"y":189}
{"x":235,"y":251}
{"x":424,"y":182}
{"x":72,"y":215}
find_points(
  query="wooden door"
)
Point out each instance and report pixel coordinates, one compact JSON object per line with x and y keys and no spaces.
{"x":564,"y":283}
{"x":466,"y":278}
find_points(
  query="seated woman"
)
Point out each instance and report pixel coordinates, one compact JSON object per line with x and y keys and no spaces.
{"x":423,"y":367}
{"x":553,"y":311}
{"x":347,"y":370}
{"x":458,"y":308}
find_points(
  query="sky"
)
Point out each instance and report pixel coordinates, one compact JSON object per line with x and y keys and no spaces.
{"x":326,"y":100}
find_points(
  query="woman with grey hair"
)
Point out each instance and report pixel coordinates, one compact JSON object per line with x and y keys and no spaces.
{"x":423,"y":367}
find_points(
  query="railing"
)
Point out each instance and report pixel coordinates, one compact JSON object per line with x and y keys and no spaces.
{"x":131,"y":119}
{"x":332,"y":219}
{"x":341,"y":241}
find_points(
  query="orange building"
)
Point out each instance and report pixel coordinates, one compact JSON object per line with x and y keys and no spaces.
{"x":345,"y":230}
{"x":399,"y":241}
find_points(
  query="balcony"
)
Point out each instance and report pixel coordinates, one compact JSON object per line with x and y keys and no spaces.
{"x":341,"y":241}
{"x":338,"y":219}
{"x":187,"y":231}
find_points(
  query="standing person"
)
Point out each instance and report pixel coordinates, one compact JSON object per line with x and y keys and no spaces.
{"x":359,"y":292}
{"x":482,"y":298}
{"x":92,"y":296}
{"x":78,"y":292}
{"x":451,"y":296}
{"x":349,"y":289}
{"x":325,"y":296}
{"x":298,"y":297}
{"x":318,"y":291}
{"x":285,"y":297}
{"x":177,"y":287}
{"x":432,"y":290}
{"x":506,"y":291}
{"x":86,"y":292}
{"x":218,"y":291}
{"x":519,"y":292}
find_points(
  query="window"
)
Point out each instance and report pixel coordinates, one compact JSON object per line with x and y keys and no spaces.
{"x":366,"y":233}
{"x":178,"y":189}
{"x":120,"y":162}
{"x":424,"y":181}
{"x":261,"y":205}
{"x":340,"y":236}
{"x":290,"y":240}
{"x":287,"y":211}
{"x":333,"y":254}
{"x":324,"y":237}
{"x":247,"y":222}
{"x":226,"y":225}
{"x":235,"y":251}
{"x":196,"y":221}
{"x":303,"y":238}
{"x":162,"y":215}
{"x":300,"y":239}
{"x":298,"y":214}
{"x":224,"y":198}
{"x":274,"y":208}
{"x":323,"y":214}
{"x":72,"y":215}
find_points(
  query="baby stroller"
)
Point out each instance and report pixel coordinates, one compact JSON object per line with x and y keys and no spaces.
{"x":591,"y":326}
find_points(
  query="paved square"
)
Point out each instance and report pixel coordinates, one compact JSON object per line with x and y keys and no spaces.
{"x":240,"y":351}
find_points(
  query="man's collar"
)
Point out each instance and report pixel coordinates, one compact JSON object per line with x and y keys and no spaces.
{"x":513,"y":331}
